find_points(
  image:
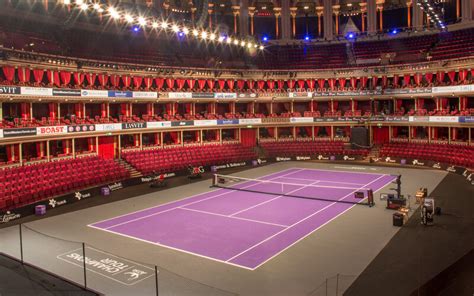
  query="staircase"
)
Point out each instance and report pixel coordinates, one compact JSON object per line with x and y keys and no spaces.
{"x":133,"y":172}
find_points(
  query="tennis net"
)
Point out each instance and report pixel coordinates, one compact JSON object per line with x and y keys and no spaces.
{"x":340,"y":194}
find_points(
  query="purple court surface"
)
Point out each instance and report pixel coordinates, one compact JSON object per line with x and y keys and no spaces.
{"x":242,"y":228}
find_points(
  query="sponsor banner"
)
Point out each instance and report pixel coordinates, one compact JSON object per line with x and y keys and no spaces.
{"x":281,"y":158}
{"x":108,"y":127}
{"x":448,"y":119}
{"x":202,"y":95}
{"x":322,"y":157}
{"x":81,"y":128}
{"x":66,"y":92}
{"x":205,"y":122}
{"x":119,"y":94}
{"x":115,"y":186}
{"x":1,"y":133}
{"x":19,"y":132}
{"x":301,"y":119}
{"x":114,"y":268}
{"x":158,"y":124}
{"x":10,"y":90}
{"x":259,"y":161}
{"x":148,"y":179}
{"x":182,"y":123}
{"x":247,"y":95}
{"x":225,"y":96}
{"x":300,"y":158}
{"x":51,"y":130}
{"x":324,"y":119}
{"x":36,"y":91}
{"x":250,"y":121}
{"x":215,"y":168}
{"x":144,"y":95}
{"x":401,"y":91}
{"x":347,"y":158}
{"x":94,"y":93}
{"x":300,"y":94}
{"x":397,"y":118}
{"x":453,"y":89}
{"x":9,"y":216}
{"x":466,"y":119}
{"x":276,"y":119}
{"x":133,"y":125}
{"x":227,"y":121}
{"x":418,"y":118}
{"x":348,"y":93}
{"x":180,"y":95}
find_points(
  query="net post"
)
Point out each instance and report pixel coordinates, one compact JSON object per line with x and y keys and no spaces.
{"x":21,"y":242}
{"x":84,"y":264}
{"x":156,"y":281}
{"x":214,"y":180}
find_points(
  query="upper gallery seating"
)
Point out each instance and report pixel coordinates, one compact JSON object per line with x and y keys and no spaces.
{"x":178,"y":158}
{"x":303,"y":148}
{"x":27,"y":184}
{"x":450,"y":154}
{"x":454,"y":44}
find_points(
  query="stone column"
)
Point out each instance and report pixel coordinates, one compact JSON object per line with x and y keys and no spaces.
{"x":466,"y":15}
{"x":236,"y":12}
{"x":328,"y":20}
{"x":380,"y":10}
{"x":319,"y":13}
{"x":417,"y":19}
{"x":277,"y":12}
{"x":244,"y":18}
{"x":209,"y":11}
{"x":371,"y":17}
{"x":251,"y":14}
{"x":336,"y":11}
{"x":363,"y":11}
{"x":293,"y":21}
{"x":284,"y":11}
{"x":409,"y":5}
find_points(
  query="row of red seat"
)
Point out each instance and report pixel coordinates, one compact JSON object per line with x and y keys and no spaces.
{"x":178,"y":158}
{"x":451,"y":154}
{"x":27,"y":184}
{"x":303,"y":148}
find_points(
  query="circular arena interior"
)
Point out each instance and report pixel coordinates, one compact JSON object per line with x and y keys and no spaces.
{"x":165,"y":147}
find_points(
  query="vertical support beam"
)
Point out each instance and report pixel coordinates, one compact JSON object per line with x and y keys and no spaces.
{"x":48,"y":156}
{"x":236,"y":12}
{"x":277,"y":12}
{"x":328,"y":20}
{"x":73,"y":147}
{"x":371,"y":16}
{"x":20,"y":152}
{"x":363,"y":11}
{"x":409,"y":5}
{"x":244,"y":18}
{"x":466,"y":11}
{"x":252,"y":24}
{"x":336,"y":11}
{"x":417,"y":18}
{"x":319,"y":13}
{"x":1,"y":110}
{"x":285,"y":13}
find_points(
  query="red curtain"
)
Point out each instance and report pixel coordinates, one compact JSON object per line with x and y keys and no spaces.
{"x":384,"y":81}
{"x":201,"y":83}
{"x":429,"y":77}
{"x":221,"y":84}
{"x":363,"y":81}
{"x":170,"y":83}
{"x":271,"y":84}
{"x":191,"y":83}
{"x":9,"y":73}
{"x":180,"y":82}
{"x":251,"y":84}
{"x":395,"y":80}
{"x":65,"y":77}
{"x":159,"y":83}
{"x":103,"y":79}
{"x":240,"y":84}
{"x":53,"y":110}
{"x":38,"y":75}
{"x":321,"y":83}
{"x":210,"y":83}
{"x":261,"y":84}
{"x":148,"y":82}
{"x":462,"y":75}
{"x":353,"y":82}
{"x":406,"y":79}
{"x":451,"y":75}
{"x":280,"y":84}
{"x":126,"y":81}
{"x":374,"y":81}
{"x":53,"y":77}
{"x":301,"y":83}
{"x":440,"y":76}
{"x":381,"y":135}
{"x":291,"y":84}
{"x":24,"y":74}
{"x":137,"y":81}
{"x":91,"y":78}
{"x":310,"y":83}
{"x":332,"y":83}
{"x":230,"y":84}
{"x":78,"y":78}
{"x":418,"y":78}
{"x":248,"y":137}
{"x":342,"y":82}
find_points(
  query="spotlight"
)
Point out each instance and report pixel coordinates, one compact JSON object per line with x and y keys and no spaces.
{"x":265,"y":38}
{"x":185,"y":31}
{"x":195,"y":32}
{"x":113,"y":13}
{"x":181,"y":34}
{"x":79,"y":2}
{"x":142,"y":21}
{"x":236,"y":42}
{"x":212,"y":36}
{"x":261,"y":47}
{"x":350,"y":36}
{"x":67,"y":2}
{"x":242,"y":43}
{"x":394,"y":32}
{"x":84,"y":6}
{"x":154,"y":25}
{"x":96,"y":6}
{"x":221,"y":38}
{"x":306,"y":38}
{"x":175,"y":28}
{"x":135,"y":29}
{"x":164,"y":25}
{"x":229,"y":40}
{"x":129,"y":18}
{"x":203,"y":34}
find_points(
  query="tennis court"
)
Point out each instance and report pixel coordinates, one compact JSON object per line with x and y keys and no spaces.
{"x":251,"y":221}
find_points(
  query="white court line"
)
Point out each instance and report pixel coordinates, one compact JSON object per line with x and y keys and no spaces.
{"x":360,"y":184}
{"x":188,"y":204}
{"x":262,"y":203}
{"x":336,"y":171}
{"x":174,"y":201}
{"x":237,"y":218}
{"x":296,"y":223}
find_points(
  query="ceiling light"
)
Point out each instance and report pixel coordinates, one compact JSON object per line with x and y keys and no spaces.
{"x":142,"y":21}
{"x":203,"y":34}
{"x":164,"y":25}
{"x":185,"y":30}
{"x":175,"y":28}
{"x":154,"y":25}
{"x":128,"y":18}
{"x":212,"y":36}
{"x":96,"y":6}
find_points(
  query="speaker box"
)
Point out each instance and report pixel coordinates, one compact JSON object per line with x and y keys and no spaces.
{"x":359,"y":137}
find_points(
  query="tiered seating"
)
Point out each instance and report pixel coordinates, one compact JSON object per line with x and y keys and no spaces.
{"x":27,"y":184}
{"x":178,"y":158}
{"x":302,"y":148}
{"x":454,"y":45}
{"x":450,"y":154}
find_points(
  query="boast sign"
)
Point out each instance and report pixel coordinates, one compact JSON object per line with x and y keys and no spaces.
{"x":51,"y":130}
